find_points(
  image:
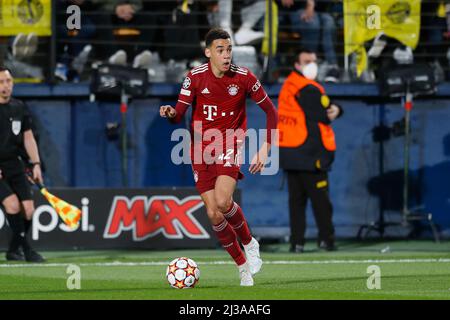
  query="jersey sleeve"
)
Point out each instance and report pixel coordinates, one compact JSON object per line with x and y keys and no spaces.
{"x":255,"y":89}
{"x":185,"y":97}
{"x":187,"y":91}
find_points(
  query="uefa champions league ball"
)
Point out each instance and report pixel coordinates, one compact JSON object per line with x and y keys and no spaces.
{"x":182,"y":273}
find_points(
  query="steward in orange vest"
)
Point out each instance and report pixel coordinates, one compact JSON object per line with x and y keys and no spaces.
{"x":306,"y":139}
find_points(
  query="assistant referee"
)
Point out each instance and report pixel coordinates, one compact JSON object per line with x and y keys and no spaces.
{"x":15,"y":191}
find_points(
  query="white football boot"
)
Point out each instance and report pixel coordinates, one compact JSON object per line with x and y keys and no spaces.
{"x":245,"y":275}
{"x":252,"y":253}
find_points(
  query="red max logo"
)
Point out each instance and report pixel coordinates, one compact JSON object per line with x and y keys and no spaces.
{"x":160,"y":214}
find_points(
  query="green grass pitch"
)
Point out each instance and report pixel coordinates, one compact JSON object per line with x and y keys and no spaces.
{"x":409,"y":270}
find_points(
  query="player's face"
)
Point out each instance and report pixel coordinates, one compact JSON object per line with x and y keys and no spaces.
{"x":220,"y":54}
{"x":6,"y":86}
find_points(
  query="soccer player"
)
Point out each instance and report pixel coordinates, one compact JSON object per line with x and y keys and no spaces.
{"x":15,"y":191}
{"x":217,"y":92}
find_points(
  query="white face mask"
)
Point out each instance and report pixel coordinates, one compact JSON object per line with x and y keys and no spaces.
{"x":310,"y":71}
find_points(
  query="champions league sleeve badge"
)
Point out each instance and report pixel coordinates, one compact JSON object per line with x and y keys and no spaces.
{"x":186,"y":83}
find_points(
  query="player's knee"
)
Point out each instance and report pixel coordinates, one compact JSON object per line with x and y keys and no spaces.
{"x":223,"y":204}
{"x":215,"y":217}
{"x":11,"y":204}
{"x":210,"y":212}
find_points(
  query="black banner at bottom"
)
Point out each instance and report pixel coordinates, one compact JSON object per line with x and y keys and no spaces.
{"x":158,"y":218}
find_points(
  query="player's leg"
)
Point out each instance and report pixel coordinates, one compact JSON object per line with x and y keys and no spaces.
{"x":11,"y":207}
{"x":30,"y":254}
{"x":222,"y":228}
{"x":227,"y":236}
{"x":224,"y":189}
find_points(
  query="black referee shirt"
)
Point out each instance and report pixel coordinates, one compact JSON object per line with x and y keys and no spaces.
{"x":14,"y":121}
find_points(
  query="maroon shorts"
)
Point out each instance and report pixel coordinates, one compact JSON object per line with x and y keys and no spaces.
{"x":205,"y":175}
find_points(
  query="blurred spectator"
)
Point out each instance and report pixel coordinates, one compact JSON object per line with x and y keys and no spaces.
{"x":158,"y":14}
{"x":18,"y":55}
{"x":74,"y":46}
{"x":182,"y":30}
{"x":129,"y":35}
{"x":24,"y":45}
{"x":311,"y":18}
{"x":251,"y":13}
{"x":336,"y":9}
{"x":435,"y":31}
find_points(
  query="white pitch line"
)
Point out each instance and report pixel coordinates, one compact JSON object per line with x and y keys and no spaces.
{"x":275,"y":262}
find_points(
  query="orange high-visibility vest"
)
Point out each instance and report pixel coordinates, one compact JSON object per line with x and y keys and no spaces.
{"x":291,"y":118}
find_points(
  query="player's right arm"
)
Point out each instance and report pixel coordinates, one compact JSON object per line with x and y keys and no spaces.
{"x":185,"y":99}
{"x":167,"y":111}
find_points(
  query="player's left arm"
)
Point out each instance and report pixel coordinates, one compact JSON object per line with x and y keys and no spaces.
{"x":259,"y":95}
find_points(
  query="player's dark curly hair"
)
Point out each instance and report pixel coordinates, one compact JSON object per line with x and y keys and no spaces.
{"x":215,"y":34}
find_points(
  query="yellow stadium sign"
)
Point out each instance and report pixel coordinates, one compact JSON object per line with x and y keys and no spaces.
{"x":365,"y":19}
{"x":25,"y":16}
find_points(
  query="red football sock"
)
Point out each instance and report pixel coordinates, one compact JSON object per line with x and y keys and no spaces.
{"x":228,"y":239}
{"x":236,"y":218}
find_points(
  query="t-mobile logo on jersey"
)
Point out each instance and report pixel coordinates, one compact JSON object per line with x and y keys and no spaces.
{"x":209,"y":111}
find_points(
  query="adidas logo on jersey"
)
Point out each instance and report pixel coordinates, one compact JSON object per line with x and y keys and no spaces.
{"x":205,"y":91}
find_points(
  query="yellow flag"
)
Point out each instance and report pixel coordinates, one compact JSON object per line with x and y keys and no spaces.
{"x":25,"y":16}
{"x":267,"y":30}
{"x":70,"y":214}
{"x":365,"y":19}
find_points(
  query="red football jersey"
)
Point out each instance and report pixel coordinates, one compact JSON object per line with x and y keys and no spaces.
{"x":219,"y":103}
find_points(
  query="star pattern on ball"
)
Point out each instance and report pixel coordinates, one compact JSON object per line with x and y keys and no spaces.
{"x":172,"y":268}
{"x":179,"y":284}
{"x":190,"y":270}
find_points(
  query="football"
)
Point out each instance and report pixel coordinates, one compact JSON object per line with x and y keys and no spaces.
{"x":182,"y":273}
